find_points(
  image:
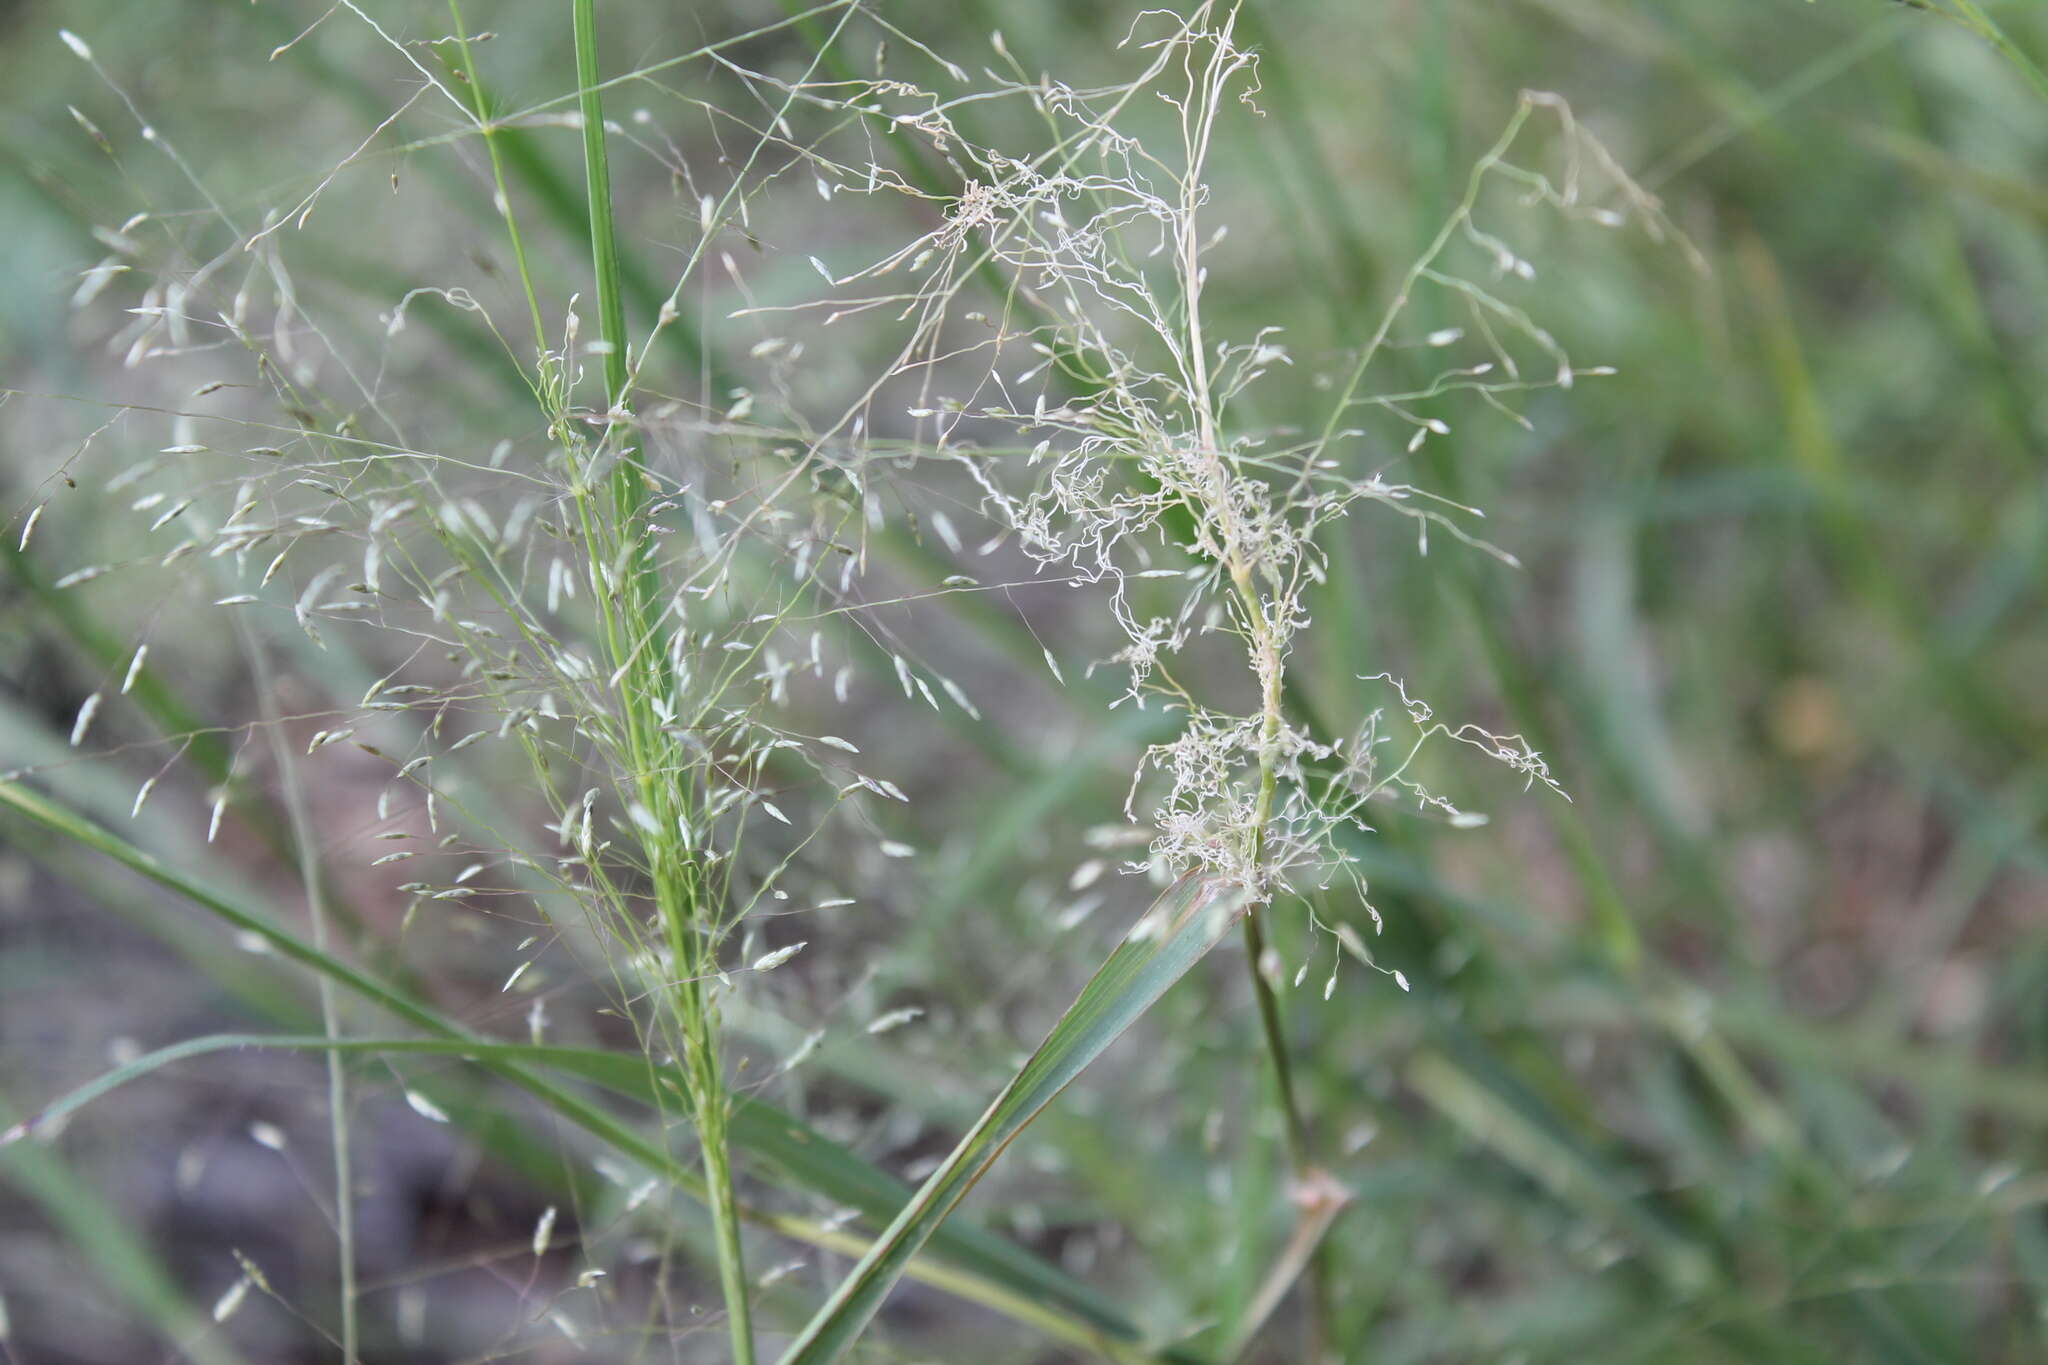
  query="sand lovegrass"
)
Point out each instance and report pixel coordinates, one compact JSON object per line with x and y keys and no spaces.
{"x":628,"y":557}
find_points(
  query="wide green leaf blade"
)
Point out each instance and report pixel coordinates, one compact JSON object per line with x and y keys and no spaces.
{"x":1175,"y":933}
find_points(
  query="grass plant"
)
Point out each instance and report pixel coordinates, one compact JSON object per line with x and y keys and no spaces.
{"x":727,"y":691}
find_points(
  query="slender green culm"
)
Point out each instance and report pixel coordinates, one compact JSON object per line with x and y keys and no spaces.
{"x":313,"y":879}
{"x":487,"y":128}
{"x":635,"y":654}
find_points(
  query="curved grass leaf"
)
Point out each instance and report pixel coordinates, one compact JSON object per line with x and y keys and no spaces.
{"x":810,"y":1159}
{"x":979,"y":1266}
{"x":1175,"y":933}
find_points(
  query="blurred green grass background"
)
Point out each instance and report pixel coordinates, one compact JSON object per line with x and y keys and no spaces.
{"x":1738,"y":1055}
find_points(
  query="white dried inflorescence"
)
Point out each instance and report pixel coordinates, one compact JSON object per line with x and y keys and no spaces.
{"x":1126,"y":459}
{"x":1132,"y":466}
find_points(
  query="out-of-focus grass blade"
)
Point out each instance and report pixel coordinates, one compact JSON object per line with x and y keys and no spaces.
{"x":982,"y":1267}
{"x":67,"y":823}
{"x":203,"y":745}
{"x":1973,"y":17}
{"x":1175,"y":933}
{"x":126,"y":1265}
{"x":621,"y":1071}
{"x":1938,"y":167}
{"x":811,"y":1159}
{"x":1558,"y":1163}
{"x":1866,"y":561}
{"x":1948,"y":1074}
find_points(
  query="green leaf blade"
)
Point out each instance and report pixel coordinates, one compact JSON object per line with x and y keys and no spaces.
{"x":1176,"y":932}
{"x":979,"y":1265}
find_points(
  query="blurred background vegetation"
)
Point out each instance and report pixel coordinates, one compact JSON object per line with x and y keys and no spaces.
{"x":1737,"y":1055}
